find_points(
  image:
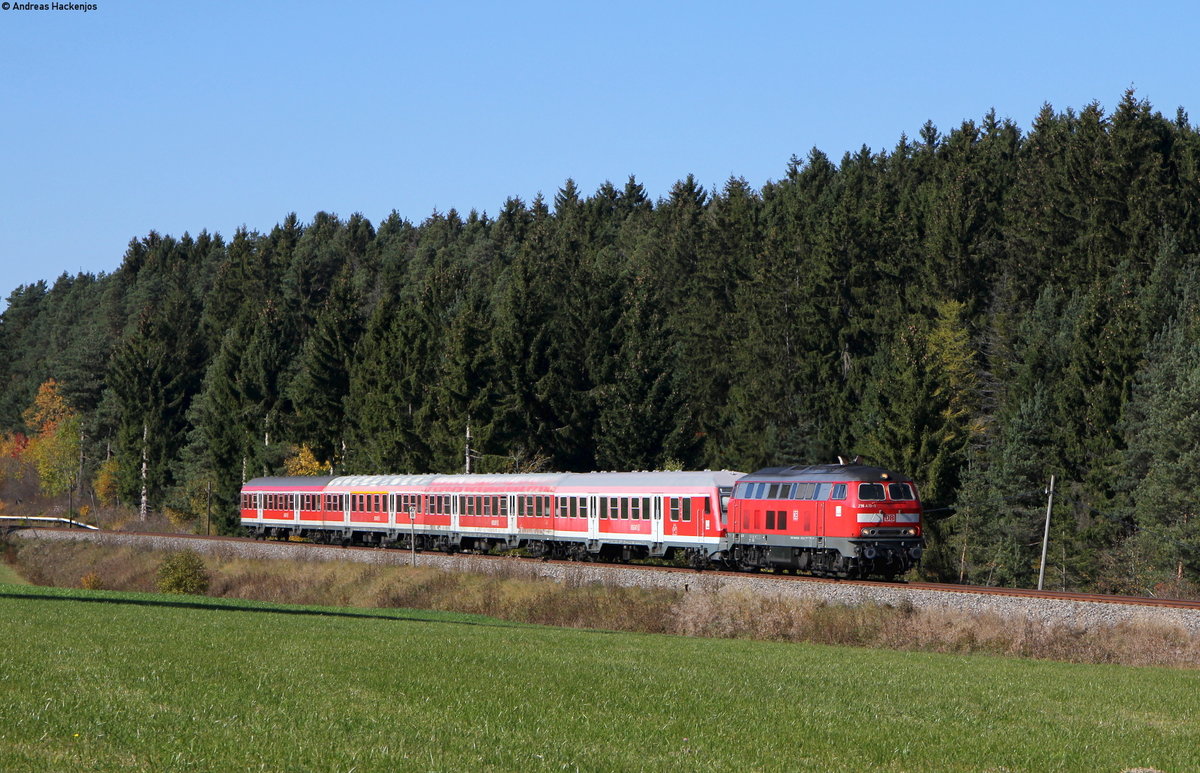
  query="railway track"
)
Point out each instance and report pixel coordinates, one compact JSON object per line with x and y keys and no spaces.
{"x":685,"y":577}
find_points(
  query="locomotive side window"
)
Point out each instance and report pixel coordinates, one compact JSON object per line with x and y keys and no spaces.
{"x":900,"y":491}
{"x":870,"y":491}
{"x":839,"y":491}
{"x":822,"y":491}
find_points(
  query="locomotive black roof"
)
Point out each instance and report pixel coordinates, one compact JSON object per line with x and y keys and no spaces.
{"x":841,"y":472}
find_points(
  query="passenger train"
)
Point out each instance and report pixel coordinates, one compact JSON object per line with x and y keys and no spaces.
{"x":836,"y":520}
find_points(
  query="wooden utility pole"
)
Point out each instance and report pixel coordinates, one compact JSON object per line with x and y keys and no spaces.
{"x":1046,"y":533}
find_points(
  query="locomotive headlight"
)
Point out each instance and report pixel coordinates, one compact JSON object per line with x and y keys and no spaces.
{"x":910,"y":532}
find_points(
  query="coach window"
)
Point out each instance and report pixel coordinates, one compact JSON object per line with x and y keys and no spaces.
{"x":687,"y":509}
{"x":871,"y":492}
{"x":674,"y":505}
{"x":899,"y":491}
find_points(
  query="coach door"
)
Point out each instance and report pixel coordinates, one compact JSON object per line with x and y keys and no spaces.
{"x":593,"y":517}
{"x":656,"y":517}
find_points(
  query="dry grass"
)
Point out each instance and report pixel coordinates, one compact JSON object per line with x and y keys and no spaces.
{"x":704,"y":610}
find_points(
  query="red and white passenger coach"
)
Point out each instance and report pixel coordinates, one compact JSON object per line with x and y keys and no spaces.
{"x":616,"y":515}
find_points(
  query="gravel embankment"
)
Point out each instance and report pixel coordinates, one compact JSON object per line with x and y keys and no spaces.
{"x":1038,"y":610}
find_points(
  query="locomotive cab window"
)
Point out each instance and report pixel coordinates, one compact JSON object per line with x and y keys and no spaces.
{"x":900,"y":491}
{"x":871,"y":492}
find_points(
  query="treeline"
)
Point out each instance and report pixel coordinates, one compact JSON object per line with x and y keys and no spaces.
{"x":980,"y":309}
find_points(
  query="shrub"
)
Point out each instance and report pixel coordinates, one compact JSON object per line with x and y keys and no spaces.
{"x":90,"y":581}
{"x":183,"y":572}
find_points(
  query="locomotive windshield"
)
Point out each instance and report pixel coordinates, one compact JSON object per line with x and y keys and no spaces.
{"x":900,"y":491}
{"x":870,"y":491}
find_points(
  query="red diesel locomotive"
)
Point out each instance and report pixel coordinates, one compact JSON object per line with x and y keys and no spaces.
{"x":844,"y":520}
{"x":840,"y":520}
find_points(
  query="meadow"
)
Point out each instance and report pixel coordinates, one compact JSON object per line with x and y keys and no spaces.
{"x":103,"y":680}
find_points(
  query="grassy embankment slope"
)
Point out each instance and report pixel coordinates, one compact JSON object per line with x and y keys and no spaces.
{"x":9,"y":576}
{"x":105,"y":681}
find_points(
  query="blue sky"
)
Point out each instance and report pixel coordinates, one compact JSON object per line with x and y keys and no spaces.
{"x":184,"y":116}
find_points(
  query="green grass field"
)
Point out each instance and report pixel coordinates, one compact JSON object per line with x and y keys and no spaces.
{"x":94,"y":680}
{"x":9,"y":576}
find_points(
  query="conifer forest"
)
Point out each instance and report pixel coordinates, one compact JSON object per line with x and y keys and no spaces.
{"x":979,"y":309}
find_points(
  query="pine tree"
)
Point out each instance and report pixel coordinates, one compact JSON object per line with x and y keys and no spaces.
{"x":322,"y":384}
